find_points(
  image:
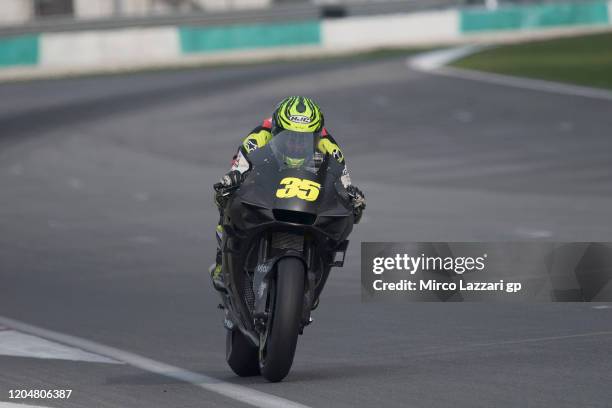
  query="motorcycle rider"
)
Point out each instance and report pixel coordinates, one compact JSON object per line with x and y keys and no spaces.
{"x":294,"y":113}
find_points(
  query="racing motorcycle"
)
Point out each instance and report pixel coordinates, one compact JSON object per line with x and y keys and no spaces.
{"x":284,"y":228}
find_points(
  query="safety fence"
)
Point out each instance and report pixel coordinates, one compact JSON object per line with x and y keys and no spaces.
{"x":151,"y":46}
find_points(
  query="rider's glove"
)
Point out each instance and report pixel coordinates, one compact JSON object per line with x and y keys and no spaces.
{"x":228,"y":182}
{"x":358,"y":201}
{"x":231,"y":179}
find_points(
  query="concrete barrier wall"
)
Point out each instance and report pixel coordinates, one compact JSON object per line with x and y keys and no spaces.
{"x":155,"y":45}
{"x":94,"y":48}
{"x":391,"y":30}
{"x":263,"y":35}
{"x":19,"y":51}
{"x":536,"y":16}
{"x":169,"y":45}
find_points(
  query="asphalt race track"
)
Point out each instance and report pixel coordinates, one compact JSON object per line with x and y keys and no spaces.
{"x":106,"y":232}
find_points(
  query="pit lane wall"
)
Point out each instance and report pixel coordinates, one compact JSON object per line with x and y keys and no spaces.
{"x":82,"y":51}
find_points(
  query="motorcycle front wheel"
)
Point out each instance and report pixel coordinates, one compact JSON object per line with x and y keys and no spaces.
{"x":277,"y":348}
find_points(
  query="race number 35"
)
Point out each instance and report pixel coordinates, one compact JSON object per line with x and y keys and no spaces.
{"x":301,"y":188}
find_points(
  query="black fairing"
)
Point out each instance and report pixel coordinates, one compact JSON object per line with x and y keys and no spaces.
{"x":258,"y":191}
{"x":255,"y":213}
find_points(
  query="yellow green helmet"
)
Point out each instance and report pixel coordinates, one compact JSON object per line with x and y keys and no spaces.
{"x":299,"y":114}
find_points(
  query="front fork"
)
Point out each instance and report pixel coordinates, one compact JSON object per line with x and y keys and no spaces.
{"x":264,"y":272}
{"x":262,"y":275}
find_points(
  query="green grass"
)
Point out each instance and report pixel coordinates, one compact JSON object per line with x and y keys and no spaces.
{"x":584,"y":60}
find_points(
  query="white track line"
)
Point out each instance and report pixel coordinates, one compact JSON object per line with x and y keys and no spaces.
{"x":543,"y":339}
{"x":435,"y":62}
{"x":473,"y":347}
{"x":13,"y":405}
{"x":233,"y":391}
{"x":432,"y":60}
{"x":17,"y":344}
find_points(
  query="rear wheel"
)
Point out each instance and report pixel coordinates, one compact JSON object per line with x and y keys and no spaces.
{"x":240,"y":354}
{"x":285,"y":304}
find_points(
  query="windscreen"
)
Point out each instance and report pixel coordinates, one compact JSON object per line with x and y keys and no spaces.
{"x":295,"y":150}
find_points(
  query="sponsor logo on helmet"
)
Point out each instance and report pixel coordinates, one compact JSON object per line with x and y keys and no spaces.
{"x":300,"y":119}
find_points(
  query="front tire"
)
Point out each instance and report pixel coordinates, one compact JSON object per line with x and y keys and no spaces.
{"x":276,"y":355}
{"x":240,"y":354}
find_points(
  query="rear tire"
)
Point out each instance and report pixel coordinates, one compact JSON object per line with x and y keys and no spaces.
{"x":240,"y":354}
{"x":276,"y":358}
